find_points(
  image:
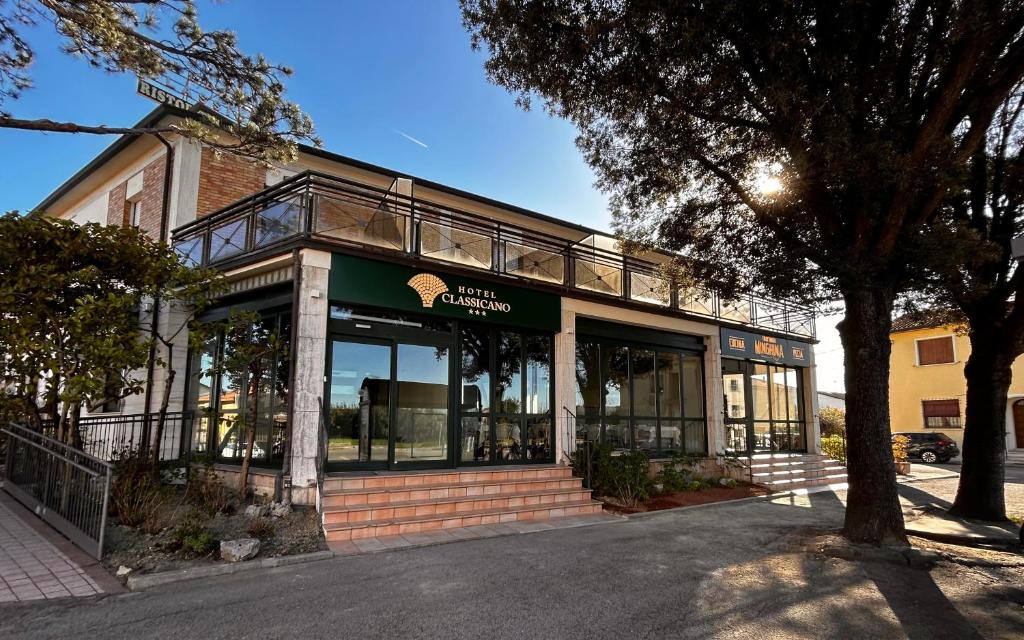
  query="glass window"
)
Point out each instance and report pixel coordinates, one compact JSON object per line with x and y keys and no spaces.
{"x":644,"y":383}
{"x":538,"y":374}
{"x":693,"y":387}
{"x":476,"y":370}
{"x":670,"y":405}
{"x":759,"y":393}
{"x":588,"y":380}
{"x":508,"y":385}
{"x":508,"y":439}
{"x":538,"y":445}
{"x":671,"y":436}
{"x":615,"y":372}
{"x":421,"y":413}
{"x":646,"y":430}
{"x":793,"y":394}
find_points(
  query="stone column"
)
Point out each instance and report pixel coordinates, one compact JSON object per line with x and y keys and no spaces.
{"x":310,"y":360}
{"x":714,"y":394}
{"x":565,"y":384}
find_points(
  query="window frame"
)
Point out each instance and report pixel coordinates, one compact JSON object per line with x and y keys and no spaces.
{"x":917,"y":350}
{"x":946,"y":418}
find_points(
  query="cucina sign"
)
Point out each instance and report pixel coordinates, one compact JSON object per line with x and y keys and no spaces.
{"x":401,"y":287}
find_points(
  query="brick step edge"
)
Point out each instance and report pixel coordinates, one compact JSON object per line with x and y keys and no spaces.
{"x":456,"y":500}
{"x":824,"y":471}
{"x":468,"y":519}
{"x":408,"y":480}
{"x":804,"y":482}
{"x":501,"y":484}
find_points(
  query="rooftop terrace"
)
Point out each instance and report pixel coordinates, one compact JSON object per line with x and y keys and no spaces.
{"x":317,"y":208}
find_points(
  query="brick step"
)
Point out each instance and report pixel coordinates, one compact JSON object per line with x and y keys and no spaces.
{"x":787,"y":457}
{"x":796,"y":464}
{"x":417,"y":524}
{"x":452,"y":506}
{"x":804,"y":483}
{"x":822,"y":471}
{"x":459,"y":476}
{"x":352,"y":497}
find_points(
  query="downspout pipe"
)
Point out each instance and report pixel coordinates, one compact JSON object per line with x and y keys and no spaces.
{"x":165,"y":215}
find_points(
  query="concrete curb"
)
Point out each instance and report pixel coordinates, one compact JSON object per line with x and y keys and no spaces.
{"x":964,"y":541}
{"x":148,"y":580}
{"x":770,"y":496}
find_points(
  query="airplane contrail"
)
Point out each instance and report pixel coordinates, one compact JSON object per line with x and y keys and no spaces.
{"x":410,"y":138}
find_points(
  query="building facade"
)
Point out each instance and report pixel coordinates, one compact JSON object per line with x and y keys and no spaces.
{"x":927,"y":389}
{"x":424,"y":327}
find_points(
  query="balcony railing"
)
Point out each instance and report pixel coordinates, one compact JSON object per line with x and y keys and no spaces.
{"x":317,"y":206}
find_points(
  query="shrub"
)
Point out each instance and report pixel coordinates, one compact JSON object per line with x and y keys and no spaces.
{"x":193,"y":538}
{"x":261,"y":528}
{"x":206,"y":491}
{"x":679,"y":473}
{"x":135,"y":493}
{"x":625,"y":477}
{"x":899,"y":448}
{"x":832,"y":421}
{"x":834,"y":447}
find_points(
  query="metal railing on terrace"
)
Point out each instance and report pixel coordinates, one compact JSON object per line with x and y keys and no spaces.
{"x":325,"y":208}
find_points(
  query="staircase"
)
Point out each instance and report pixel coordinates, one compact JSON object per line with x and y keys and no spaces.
{"x":1015,"y":457}
{"x":788,"y":471}
{"x":386,"y":504}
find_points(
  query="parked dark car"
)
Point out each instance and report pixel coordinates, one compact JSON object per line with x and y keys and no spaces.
{"x":930,"y":447}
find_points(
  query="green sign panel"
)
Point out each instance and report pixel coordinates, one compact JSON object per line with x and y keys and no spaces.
{"x":744,"y":344}
{"x":426,"y":291}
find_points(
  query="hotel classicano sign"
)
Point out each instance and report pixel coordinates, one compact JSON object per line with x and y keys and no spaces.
{"x":755,"y":346}
{"x":406,"y":288}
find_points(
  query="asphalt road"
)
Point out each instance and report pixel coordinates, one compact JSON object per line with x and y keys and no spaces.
{"x":727,"y":571}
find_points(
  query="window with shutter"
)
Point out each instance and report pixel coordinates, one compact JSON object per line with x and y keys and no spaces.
{"x":941,"y":413}
{"x":935,"y":350}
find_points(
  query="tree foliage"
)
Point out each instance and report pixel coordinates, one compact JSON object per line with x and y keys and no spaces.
{"x":71,"y":298}
{"x":972,"y":274}
{"x":797,"y":146}
{"x":241,"y":95}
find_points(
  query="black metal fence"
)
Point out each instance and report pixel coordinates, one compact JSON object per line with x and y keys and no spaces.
{"x":110,"y":436}
{"x":64,"y":486}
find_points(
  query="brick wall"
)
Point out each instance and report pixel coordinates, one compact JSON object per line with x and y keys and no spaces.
{"x":151,"y":199}
{"x":226,"y":179}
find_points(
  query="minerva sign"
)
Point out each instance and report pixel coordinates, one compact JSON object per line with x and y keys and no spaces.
{"x":401,"y":287}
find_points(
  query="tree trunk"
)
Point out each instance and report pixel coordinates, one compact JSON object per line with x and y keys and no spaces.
{"x":982,"y":474}
{"x":165,"y":399}
{"x":250,"y":440}
{"x":873,"y":512}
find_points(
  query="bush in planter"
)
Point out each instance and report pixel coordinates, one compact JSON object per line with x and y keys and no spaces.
{"x":625,"y":477}
{"x":834,"y":447}
{"x":678,"y":474}
{"x":135,"y":493}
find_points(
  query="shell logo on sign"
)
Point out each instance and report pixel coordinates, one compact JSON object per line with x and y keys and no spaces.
{"x":428,"y":286}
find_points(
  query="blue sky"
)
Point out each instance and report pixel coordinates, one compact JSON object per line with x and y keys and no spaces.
{"x":364,"y":71}
{"x":372,"y":75}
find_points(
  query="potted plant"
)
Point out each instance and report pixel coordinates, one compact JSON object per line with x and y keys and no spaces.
{"x":899,"y":454}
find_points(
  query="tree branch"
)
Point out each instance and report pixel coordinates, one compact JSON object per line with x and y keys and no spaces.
{"x":44,"y":124}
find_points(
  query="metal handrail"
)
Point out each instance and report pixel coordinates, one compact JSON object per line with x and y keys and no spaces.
{"x":64,"y":486}
{"x":403,"y":216}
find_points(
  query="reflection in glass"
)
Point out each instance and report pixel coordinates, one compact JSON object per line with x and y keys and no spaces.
{"x":617,"y":434}
{"x":508,"y":439}
{"x":476,"y":439}
{"x":671,"y":437}
{"x":538,"y":434}
{"x":588,"y":381}
{"x":508,"y":386}
{"x":778,"y":391}
{"x":793,"y":394}
{"x":202,"y":389}
{"x":693,"y":440}
{"x":357,"y":428}
{"x":736,"y":436}
{"x":669,"y":403}
{"x":646,"y":431}
{"x":759,"y":392}
{"x":421,"y":413}
{"x":693,"y":387}
{"x":615,"y":372}
{"x":644,"y":384}
{"x":476,"y":370}
{"x":538,"y":374}
{"x":763,"y":436}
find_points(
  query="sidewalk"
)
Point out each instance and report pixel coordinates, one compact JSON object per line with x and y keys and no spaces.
{"x":38,"y":563}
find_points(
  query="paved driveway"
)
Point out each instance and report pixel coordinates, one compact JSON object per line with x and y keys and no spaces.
{"x":32,"y":567}
{"x":725,"y":571}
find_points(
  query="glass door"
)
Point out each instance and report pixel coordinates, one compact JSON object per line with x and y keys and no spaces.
{"x":421,"y":404}
{"x":358,"y":417}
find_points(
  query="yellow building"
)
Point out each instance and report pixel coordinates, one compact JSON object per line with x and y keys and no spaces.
{"x":927,"y":390}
